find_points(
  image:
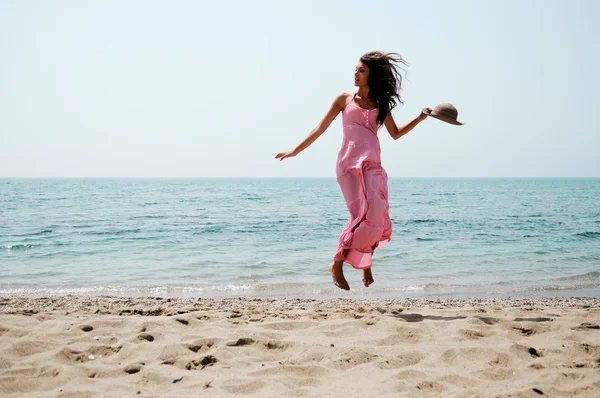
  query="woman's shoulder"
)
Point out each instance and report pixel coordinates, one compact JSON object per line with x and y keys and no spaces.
{"x":345,"y":96}
{"x":342,"y":99}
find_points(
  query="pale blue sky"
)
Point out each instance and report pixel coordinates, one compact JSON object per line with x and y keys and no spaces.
{"x":217,"y":88}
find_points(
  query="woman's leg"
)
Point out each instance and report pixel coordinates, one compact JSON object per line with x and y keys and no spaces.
{"x":337,"y":273}
{"x":367,"y":277}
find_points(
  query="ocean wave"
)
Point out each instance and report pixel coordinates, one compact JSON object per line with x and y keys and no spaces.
{"x":148,"y":217}
{"x":432,"y":286}
{"x":410,"y":288}
{"x":564,"y":287}
{"x":249,"y":196}
{"x":176,"y":291}
{"x":25,"y":235}
{"x":41,"y":274}
{"x":284,"y":286}
{"x":395,"y":256}
{"x":118,"y":232}
{"x":45,"y":231}
{"x":21,"y":246}
{"x":148,"y":204}
{"x":210,"y":229}
{"x":586,"y":276}
{"x":589,"y":234}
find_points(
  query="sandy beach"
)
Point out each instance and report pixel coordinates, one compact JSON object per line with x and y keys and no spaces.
{"x":156,"y":347}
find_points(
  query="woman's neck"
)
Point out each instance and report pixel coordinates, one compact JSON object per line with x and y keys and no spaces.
{"x":363,"y":92}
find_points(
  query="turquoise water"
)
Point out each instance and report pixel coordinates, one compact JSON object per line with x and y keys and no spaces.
{"x":276,"y":237}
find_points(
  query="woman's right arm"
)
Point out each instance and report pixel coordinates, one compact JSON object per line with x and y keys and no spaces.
{"x":336,"y":107}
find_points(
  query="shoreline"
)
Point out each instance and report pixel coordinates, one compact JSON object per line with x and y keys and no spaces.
{"x":117,"y":304}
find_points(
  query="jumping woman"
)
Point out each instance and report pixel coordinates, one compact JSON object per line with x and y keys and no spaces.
{"x":361,"y":177}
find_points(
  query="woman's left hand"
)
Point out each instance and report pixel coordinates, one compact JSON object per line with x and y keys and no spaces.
{"x":424,"y":113}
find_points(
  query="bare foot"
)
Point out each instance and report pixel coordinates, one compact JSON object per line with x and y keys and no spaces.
{"x":367,"y":277}
{"x":337,"y":273}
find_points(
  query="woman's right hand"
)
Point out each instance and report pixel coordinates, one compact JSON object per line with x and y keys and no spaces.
{"x":283,"y":155}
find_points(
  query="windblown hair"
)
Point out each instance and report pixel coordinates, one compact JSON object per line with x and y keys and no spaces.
{"x":385,"y":80}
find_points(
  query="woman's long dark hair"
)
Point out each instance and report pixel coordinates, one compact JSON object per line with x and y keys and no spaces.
{"x":385,"y":81}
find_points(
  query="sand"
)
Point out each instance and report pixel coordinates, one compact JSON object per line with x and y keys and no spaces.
{"x":152,"y":347}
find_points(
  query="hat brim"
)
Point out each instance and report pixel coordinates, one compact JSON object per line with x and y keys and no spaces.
{"x":444,"y":118}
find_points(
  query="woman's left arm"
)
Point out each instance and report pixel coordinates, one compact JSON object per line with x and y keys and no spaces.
{"x":396,"y":132}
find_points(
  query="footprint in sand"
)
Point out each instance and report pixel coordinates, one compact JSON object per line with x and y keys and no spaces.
{"x":589,"y":349}
{"x":145,"y":337}
{"x":274,"y":345}
{"x":202,"y":344}
{"x":459,"y":381}
{"x":285,"y":325}
{"x":297,"y":371}
{"x":111,"y":324}
{"x":500,"y":360}
{"x":410,"y":374}
{"x":208,"y":360}
{"x":561,"y":377}
{"x":70,"y":356}
{"x":29,"y":347}
{"x":498,"y":374}
{"x":339,"y":331}
{"x":350,"y":360}
{"x":536,"y":319}
{"x":194,"y":347}
{"x":471,"y":356}
{"x":33,"y":371}
{"x":171,"y":351}
{"x":525,"y":352}
{"x":401,"y":361}
{"x":243,"y":387}
{"x":473,"y":334}
{"x":311,"y":356}
{"x":133,"y":368}
{"x":587,"y":326}
{"x":240,"y":342}
{"x":528,"y":327}
{"x":488,"y":320}
{"x":579,"y":365}
{"x":403,"y":335}
{"x":525,"y":331}
{"x":429,"y":387}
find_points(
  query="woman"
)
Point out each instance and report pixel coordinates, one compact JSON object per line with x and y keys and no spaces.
{"x":361,"y":177}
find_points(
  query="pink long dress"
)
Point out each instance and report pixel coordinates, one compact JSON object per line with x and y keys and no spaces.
{"x":363,"y":182}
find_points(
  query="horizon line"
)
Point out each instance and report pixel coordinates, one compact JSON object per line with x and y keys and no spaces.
{"x":283,"y":177}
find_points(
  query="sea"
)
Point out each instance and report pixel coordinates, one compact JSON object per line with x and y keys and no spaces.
{"x":255,"y":237}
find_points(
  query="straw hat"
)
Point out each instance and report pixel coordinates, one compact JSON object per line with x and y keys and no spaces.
{"x":444,"y":112}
